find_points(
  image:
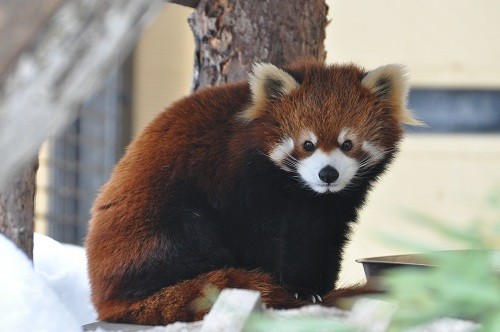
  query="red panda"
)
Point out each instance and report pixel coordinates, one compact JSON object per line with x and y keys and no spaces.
{"x":246,"y":185}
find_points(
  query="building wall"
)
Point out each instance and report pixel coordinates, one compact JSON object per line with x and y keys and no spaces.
{"x":445,"y":44}
{"x":163,"y":64}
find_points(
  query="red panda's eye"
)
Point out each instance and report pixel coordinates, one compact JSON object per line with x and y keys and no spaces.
{"x":308,"y":146}
{"x":347,"y":145}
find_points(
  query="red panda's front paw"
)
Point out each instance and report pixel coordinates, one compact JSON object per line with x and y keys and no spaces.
{"x":306,"y":295}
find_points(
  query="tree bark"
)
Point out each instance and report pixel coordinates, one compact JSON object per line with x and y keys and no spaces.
{"x":17,"y":208}
{"x":230,"y":35}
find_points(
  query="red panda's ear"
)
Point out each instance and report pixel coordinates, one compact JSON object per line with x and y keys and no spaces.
{"x":267,"y":82}
{"x":390,"y":82}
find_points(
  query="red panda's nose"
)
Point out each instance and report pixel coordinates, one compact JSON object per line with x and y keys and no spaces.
{"x":328,"y":174}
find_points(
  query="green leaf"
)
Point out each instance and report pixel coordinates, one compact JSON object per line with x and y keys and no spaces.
{"x":463,"y":285}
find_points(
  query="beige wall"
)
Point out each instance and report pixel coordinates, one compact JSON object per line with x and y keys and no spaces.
{"x":448,"y":177}
{"x":163,"y":64}
{"x":446,"y":43}
{"x":41,"y":198}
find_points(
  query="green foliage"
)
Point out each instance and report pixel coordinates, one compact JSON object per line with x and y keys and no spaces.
{"x":296,"y":324}
{"x":463,"y":285}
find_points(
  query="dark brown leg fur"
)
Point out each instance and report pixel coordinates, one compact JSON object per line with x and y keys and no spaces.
{"x":178,"y":302}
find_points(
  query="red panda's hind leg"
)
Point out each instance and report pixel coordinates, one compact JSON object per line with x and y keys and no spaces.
{"x":190,"y":300}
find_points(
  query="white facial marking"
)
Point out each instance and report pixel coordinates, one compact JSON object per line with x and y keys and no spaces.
{"x":376,"y":153}
{"x":281,"y":151}
{"x":312,"y":137}
{"x":309,"y":136}
{"x":343,"y":135}
{"x":310,"y":167}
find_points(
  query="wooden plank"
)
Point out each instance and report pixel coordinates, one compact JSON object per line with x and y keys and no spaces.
{"x":20,"y":20}
{"x":60,"y":65}
{"x":231,"y":310}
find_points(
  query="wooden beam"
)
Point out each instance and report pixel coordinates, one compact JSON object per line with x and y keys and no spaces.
{"x":15,"y":32}
{"x":187,"y":3}
{"x":60,"y":52}
{"x":231,"y":310}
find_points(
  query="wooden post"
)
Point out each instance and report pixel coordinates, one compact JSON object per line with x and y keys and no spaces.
{"x":53,"y":55}
{"x":230,"y":35}
{"x":17,"y":209}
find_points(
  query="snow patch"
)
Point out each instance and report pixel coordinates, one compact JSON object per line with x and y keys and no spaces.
{"x":27,"y":303}
{"x":64,"y":269}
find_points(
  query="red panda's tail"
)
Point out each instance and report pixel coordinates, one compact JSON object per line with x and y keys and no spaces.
{"x":191,"y":300}
{"x":342,"y":297}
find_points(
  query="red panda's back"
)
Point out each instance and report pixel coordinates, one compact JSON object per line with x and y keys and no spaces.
{"x":182,"y":143}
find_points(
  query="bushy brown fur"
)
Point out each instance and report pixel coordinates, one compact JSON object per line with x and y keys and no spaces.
{"x":202,"y":140}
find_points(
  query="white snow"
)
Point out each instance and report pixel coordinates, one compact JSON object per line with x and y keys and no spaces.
{"x":54,"y":296}
{"x":64,"y":269}
{"x":27,"y":302}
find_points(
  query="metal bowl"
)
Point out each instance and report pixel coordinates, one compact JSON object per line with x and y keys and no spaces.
{"x":375,"y":266}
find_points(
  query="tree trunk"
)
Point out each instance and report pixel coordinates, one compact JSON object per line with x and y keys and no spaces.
{"x":230,"y":35}
{"x":17,"y":208}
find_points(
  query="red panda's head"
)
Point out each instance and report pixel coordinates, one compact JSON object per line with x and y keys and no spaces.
{"x":328,"y":124}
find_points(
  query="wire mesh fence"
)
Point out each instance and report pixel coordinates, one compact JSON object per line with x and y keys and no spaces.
{"x":76,"y":164}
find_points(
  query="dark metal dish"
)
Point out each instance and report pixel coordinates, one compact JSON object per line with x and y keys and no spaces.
{"x":375,"y":266}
